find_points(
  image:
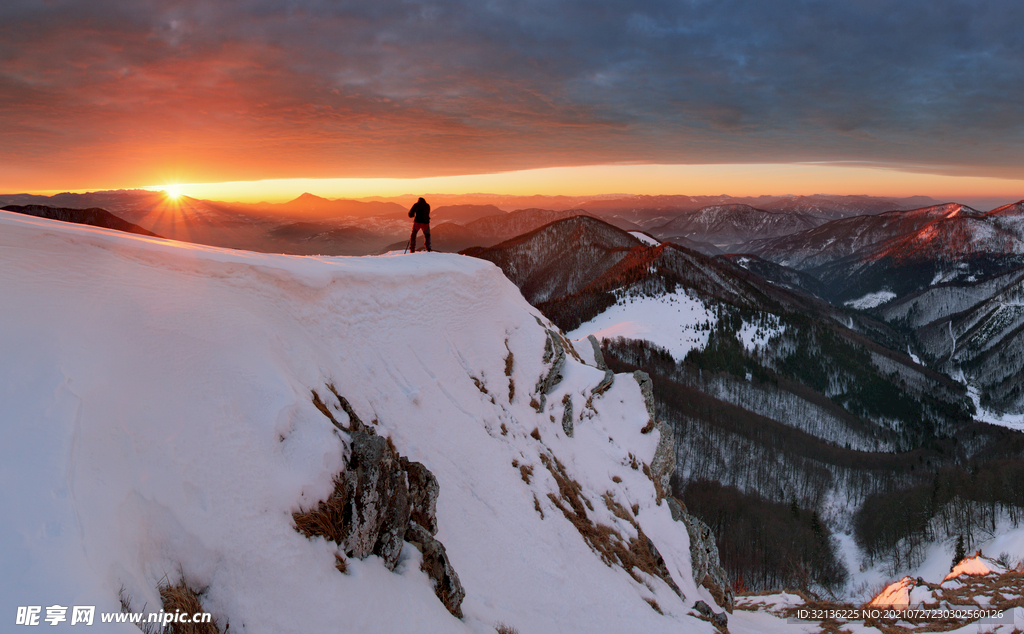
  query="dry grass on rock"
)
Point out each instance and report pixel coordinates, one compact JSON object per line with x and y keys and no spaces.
{"x":635,"y":554}
{"x":526,"y":471}
{"x":180,"y":598}
{"x":185,"y":599}
{"x":326,"y":519}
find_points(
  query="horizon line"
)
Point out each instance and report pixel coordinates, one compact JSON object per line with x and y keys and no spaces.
{"x":617,"y":180}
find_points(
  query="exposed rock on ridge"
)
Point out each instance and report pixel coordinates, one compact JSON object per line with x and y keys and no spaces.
{"x":554,"y":354}
{"x":380,"y":501}
{"x":704,"y":560}
{"x":664,"y":456}
{"x":707,"y":567}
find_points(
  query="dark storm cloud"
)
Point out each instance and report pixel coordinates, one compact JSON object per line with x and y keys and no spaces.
{"x":260,"y":88}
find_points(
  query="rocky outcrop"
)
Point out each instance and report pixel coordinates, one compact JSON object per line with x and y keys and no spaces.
{"x":629,"y":553}
{"x":598,"y":355}
{"x":704,"y":562}
{"x":717,"y":619}
{"x":567,"y":421}
{"x":377,"y":504}
{"x":437,"y":566}
{"x":664,"y":455}
{"x":554,"y":354}
{"x":423,"y":492}
{"x":606,"y":382}
{"x":380,"y":501}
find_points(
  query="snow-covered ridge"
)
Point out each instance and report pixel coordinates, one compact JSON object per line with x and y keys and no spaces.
{"x":158,"y":423}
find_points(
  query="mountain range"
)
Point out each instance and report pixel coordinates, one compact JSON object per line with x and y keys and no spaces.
{"x":725,"y":225}
{"x":771,"y":388}
{"x":311,"y":224}
{"x":902,"y":251}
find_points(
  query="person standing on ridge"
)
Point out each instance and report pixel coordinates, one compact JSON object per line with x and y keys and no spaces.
{"x":421,"y":212}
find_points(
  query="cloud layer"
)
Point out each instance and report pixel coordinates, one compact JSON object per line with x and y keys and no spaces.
{"x":153,"y":91}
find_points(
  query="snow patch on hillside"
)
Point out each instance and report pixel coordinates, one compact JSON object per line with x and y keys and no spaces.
{"x":985,"y":415}
{"x":643,"y":237}
{"x":871,"y":300}
{"x":753,"y":336}
{"x":676,"y":322}
{"x":158,"y":422}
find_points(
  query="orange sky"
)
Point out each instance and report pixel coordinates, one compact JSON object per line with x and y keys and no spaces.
{"x":695,"y":180}
{"x":390,"y":97}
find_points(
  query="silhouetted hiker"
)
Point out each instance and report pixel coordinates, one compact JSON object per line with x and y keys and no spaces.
{"x":421,"y":211}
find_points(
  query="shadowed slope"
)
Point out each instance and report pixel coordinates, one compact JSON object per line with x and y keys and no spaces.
{"x":93,"y":217}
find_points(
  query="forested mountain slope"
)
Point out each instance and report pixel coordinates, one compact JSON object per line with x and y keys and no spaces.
{"x":771,"y":390}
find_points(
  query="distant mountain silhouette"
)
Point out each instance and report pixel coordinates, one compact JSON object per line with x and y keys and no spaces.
{"x":463,"y":214}
{"x":632,"y":212}
{"x":835,"y":207}
{"x":117,"y":201}
{"x":311,"y":207}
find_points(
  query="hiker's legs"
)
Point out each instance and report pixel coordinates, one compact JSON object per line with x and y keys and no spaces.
{"x":416,"y":226}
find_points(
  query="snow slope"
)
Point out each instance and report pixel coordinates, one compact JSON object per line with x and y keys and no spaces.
{"x":157,"y":422}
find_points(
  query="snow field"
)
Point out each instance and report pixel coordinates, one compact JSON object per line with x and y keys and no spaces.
{"x":158,"y":422}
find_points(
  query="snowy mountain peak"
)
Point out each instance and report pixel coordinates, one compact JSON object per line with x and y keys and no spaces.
{"x":162,"y":428}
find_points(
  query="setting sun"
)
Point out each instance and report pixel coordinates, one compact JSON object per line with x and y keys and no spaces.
{"x":173,"y":191}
